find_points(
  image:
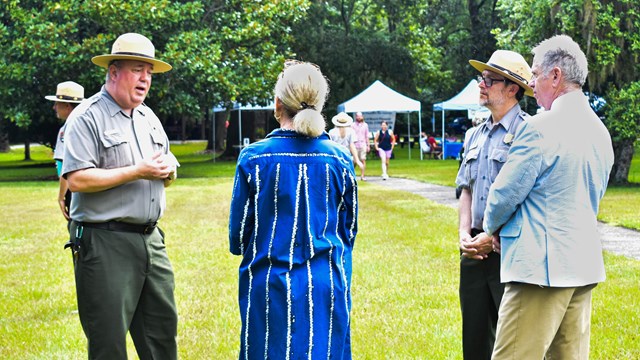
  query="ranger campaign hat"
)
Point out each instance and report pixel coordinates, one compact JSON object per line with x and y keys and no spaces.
{"x":69,"y":92}
{"x":132,"y":46}
{"x":509,"y":64}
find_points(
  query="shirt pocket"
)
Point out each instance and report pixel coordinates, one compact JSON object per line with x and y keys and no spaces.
{"x":497,"y":158}
{"x":117,"y":151}
{"x":471,"y":164}
{"x":158,"y":140}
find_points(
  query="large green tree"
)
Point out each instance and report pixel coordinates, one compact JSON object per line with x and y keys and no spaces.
{"x":222,"y":51}
{"x":608,"y":31}
{"x":359,"y":41}
{"x":419,"y":48}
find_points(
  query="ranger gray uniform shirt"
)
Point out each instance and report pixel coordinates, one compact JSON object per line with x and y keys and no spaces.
{"x":101,"y":135}
{"x":485,"y":153}
{"x":58,"y":151}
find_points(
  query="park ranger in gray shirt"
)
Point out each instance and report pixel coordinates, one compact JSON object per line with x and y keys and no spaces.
{"x":106,"y":138}
{"x":502,"y":84}
{"x":117,"y":162}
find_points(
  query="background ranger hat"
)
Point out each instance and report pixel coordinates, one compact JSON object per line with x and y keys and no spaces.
{"x":132,"y":46}
{"x":69,"y":92}
{"x":342,"y":120}
{"x":509,"y":64}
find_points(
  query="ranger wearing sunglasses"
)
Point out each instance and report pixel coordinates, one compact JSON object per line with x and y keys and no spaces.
{"x":503,"y":83}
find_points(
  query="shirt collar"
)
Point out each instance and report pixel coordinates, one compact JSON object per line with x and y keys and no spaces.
{"x":112,"y":105}
{"x":507,"y":120}
{"x":292,"y":134}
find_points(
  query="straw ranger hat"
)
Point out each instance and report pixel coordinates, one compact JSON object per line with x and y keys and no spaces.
{"x":342,"y":120}
{"x":510,"y":65}
{"x":132,"y":46}
{"x":69,"y":92}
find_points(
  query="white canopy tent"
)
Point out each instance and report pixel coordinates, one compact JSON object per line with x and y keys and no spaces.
{"x":467,"y":99}
{"x":380,"y":97}
{"x":240,"y":107}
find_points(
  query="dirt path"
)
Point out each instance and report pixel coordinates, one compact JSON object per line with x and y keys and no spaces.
{"x":615,"y":239}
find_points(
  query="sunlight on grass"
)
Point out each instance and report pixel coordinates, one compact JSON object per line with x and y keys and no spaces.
{"x":621,"y":207}
{"x":405,"y":279}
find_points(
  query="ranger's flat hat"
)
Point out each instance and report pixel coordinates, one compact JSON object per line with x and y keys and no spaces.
{"x":509,"y":64}
{"x":69,"y":92}
{"x":132,"y":46}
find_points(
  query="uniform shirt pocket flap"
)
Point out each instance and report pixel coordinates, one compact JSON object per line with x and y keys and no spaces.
{"x":157,"y":137}
{"x":111,"y":138}
{"x":499,"y":155}
{"x":472,"y":154}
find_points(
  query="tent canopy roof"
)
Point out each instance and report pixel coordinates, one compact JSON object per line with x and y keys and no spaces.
{"x":379,"y":97}
{"x":467,"y":99}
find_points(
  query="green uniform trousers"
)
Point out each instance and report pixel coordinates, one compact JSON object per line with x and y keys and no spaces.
{"x":480,"y":296}
{"x":124,"y":282}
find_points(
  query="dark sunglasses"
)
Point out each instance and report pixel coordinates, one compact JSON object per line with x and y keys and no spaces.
{"x":490,"y":81}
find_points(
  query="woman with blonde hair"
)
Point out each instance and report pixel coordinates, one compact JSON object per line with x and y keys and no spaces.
{"x":293,"y":220}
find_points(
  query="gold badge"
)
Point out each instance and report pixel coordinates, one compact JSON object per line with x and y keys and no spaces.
{"x":508,"y":138}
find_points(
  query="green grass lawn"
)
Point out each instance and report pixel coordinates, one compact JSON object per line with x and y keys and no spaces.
{"x":404,"y":282}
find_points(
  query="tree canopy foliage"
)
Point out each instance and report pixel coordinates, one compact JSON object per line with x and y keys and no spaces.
{"x":222,"y":51}
{"x":608,"y":31}
{"x":226,"y":51}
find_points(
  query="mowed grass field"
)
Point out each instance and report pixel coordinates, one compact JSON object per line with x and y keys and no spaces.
{"x":405,"y":297}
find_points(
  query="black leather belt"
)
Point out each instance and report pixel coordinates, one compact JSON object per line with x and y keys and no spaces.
{"x":144,"y":229}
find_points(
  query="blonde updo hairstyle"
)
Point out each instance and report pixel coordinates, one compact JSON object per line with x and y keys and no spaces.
{"x":303,"y":90}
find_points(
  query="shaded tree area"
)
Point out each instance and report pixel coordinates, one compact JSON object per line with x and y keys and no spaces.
{"x":608,"y":31}
{"x":420,"y":49}
{"x":221,"y":51}
{"x":227,"y":51}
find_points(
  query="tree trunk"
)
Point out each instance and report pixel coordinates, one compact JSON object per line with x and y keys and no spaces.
{"x":221,"y":129}
{"x":481,"y":26}
{"x":209,"y":121}
{"x":623,"y":153}
{"x":203,"y":125}
{"x":27,"y":149}
{"x":231,"y":150}
{"x":4,"y":137}
{"x":183,"y":128}
{"x":219,"y":121}
{"x":234,"y":138}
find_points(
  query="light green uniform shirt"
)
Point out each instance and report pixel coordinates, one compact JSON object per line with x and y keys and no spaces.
{"x":101,"y":135}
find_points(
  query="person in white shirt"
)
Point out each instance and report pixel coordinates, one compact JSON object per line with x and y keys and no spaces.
{"x":344,"y":135}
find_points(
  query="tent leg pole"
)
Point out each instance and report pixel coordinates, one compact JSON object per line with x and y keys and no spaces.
{"x":444,"y":156}
{"x":240,"y":129}
{"x":409,"y":133}
{"x":213,"y":129}
{"x":420,"y":134}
